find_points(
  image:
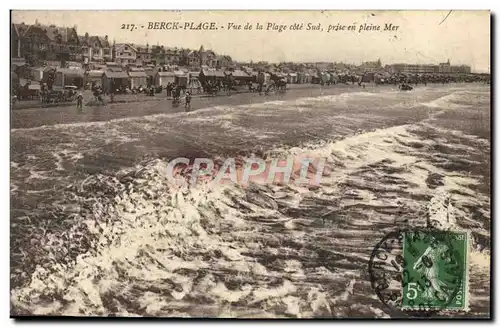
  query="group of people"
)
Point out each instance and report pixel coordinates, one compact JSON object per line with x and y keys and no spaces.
{"x":98,"y":93}
{"x":175,"y":91}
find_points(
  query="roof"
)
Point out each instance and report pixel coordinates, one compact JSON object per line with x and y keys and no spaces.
{"x":72,"y":71}
{"x":136,"y":69}
{"x":115,"y":69}
{"x":137,"y":74}
{"x":18,"y":62}
{"x":179,"y":73}
{"x":116,"y":75}
{"x":43,"y":69}
{"x":150,"y":71}
{"x":144,"y":49}
{"x":166,"y":73}
{"x":104,"y":41}
{"x":95,"y":73}
{"x":117,"y":45}
{"x":53,"y":32}
{"x":215,"y":73}
{"x":238,"y":73}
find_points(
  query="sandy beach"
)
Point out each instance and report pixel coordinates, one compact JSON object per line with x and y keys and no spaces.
{"x":142,"y":105}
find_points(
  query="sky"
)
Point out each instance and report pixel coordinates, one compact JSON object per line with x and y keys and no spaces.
{"x":421,"y":37}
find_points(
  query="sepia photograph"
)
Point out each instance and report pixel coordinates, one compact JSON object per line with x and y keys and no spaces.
{"x":245,"y":164}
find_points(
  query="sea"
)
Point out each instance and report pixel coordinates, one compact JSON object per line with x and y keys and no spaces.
{"x":98,"y":229}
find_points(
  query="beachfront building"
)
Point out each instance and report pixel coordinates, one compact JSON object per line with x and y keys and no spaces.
{"x":41,"y":43}
{"x":370,"y":66}
{"x":412,"y":68}
{"x":173,"y":56}
{"x":207,"y":57}
{"x":125,"y":53}
{"x":443,"y":68}
{"x":191,"y":59}
{"x":462,"y":69}
{"x":143,"y":56}
{"x":158,"y":55}
{"x":95,"y":49}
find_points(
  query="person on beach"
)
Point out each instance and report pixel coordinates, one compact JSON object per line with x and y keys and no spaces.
{"x":79,"y":101}
{"x":169,"y":89}
{"x":187,"y":106}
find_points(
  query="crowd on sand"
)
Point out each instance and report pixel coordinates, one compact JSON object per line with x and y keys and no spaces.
{"x":180,"y":93}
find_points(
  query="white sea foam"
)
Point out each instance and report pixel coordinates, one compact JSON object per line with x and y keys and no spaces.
{"x":263,"y":251}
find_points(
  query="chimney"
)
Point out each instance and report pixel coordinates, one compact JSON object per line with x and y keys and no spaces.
{"x":106,"y":37}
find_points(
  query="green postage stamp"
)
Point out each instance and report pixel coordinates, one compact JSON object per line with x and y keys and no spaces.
{"x":436,"y":269}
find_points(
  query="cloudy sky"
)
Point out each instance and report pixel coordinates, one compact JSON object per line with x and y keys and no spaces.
{"x":422,"y":36}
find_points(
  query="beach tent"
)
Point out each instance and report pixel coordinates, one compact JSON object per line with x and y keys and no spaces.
{"x":163,"y":78}
{"x":69,"y":76}
{"x":263,"y":78}
{"x":94,"y":77}
{"x":214,"y":75}
{"x":181,"y":78}
{"x":42,"y":73}
{"x":292,"y":78}
{"x":114,"y":80}
{"x":240,"y":76}
{"x":137,"y":78}
{"x":194,"y":85}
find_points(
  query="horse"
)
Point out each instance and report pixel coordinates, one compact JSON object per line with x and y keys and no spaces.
{"x":281,"y":85}
{"x":210,"y":89}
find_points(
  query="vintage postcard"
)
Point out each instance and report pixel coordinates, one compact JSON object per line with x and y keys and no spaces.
{"x":250,"y":164}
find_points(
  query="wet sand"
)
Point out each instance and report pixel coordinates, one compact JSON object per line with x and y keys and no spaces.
{"x":34,"y":117}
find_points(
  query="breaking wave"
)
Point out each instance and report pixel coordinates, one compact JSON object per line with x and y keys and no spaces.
{"x":141,"y":247}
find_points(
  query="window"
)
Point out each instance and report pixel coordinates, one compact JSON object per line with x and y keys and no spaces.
{"x":126,"y":48}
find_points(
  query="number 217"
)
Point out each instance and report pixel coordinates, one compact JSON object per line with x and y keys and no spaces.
{"x":130,"y":27}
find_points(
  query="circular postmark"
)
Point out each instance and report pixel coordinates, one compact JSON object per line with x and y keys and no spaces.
{"x":418,"y":271}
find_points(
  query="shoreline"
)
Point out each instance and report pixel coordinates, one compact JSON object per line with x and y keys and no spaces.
{"x":46,"y":116}
{"x":37,"y":117}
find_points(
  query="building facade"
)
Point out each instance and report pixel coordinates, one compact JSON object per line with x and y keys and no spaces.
{"x":173,"y":56}
{"x":143,"y":55}
{"x":442,"y":68}
{"x":95,"y":49}
{"x":125,"y":53}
